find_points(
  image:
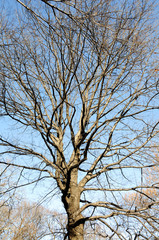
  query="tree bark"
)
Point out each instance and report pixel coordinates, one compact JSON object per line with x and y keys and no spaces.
{"x":71,"y":200}
{"x":76,"y":232}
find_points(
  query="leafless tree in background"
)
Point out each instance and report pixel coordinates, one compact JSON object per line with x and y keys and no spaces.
{"x":79,"y":81}
{"x":24,"y":221}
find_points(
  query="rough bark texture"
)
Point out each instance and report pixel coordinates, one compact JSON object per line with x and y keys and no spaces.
{"x":75,"y":233}
{"x":71,"y":200}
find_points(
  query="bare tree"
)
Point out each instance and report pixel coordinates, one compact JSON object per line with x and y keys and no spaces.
{"x":27,"y":221}
{"x":79,"y":81}
{"x":20,"y":219}
{"x":145,"y":196}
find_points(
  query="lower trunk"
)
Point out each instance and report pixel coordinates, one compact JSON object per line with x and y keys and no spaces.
{"x":75,"y":226}
{"x":71,"y":200}
{"x":75,"y":232}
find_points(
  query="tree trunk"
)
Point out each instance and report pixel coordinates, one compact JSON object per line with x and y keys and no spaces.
{"x":71,"y":200}
{"x":75,"y":232}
